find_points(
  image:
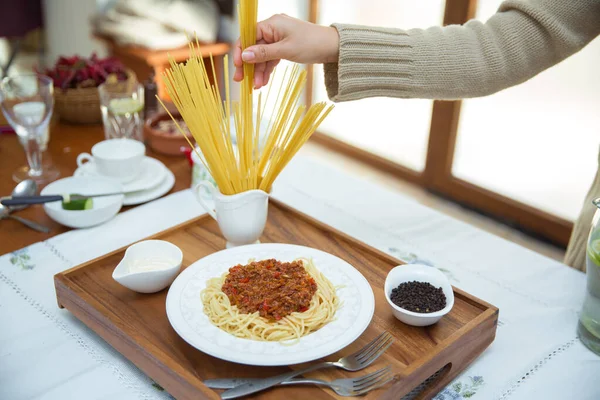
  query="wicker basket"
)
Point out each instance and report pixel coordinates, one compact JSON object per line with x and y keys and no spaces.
{"x":81,"y":106}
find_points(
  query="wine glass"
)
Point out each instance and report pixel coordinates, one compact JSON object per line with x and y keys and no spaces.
{"x":27,"y":102}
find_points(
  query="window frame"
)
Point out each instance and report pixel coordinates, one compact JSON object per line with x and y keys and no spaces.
{"x":437,"y":175}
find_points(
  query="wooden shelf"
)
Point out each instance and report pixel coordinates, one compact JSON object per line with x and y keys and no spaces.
{"x":145,"y":61}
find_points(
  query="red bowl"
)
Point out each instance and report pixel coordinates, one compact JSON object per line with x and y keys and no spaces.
{"x":165,"y":142}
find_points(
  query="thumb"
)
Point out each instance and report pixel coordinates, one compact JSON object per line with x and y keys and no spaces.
{"x":263,"y":52}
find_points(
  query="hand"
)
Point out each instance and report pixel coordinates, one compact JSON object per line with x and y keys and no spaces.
{"x":283,"y":37}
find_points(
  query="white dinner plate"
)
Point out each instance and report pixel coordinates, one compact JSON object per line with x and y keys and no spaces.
{"x":153,"y":193}
{"x":186,"y":314}
{"x":152,"y":173}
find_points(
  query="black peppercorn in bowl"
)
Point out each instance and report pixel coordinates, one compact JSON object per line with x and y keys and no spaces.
{"x":413,"y":287}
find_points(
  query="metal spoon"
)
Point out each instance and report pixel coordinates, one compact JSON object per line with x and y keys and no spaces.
{"x":28,"y":187}
{"x":5,"y":213}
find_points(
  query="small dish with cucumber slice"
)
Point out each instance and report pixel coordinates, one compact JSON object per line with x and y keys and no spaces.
{"x":77,"y":204}
{"x":83,"y":213}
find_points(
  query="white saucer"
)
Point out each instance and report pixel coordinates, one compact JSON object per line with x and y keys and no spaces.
{"x":153,"y":193}
{"x":152,"y":173}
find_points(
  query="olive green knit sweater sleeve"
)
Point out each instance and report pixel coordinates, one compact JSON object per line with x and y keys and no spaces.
{"x":459,"y":61}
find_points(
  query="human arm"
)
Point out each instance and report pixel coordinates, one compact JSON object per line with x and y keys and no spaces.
{"x":459,"y":61}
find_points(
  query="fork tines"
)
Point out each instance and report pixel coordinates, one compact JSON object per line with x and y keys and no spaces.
{"x":373,"y":350}
{"x":372,"y":381}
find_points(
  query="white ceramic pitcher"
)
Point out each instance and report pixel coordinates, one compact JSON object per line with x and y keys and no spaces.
{"x":241,"y":217}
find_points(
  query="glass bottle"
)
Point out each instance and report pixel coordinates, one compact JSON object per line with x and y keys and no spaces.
{"x":589,"y":319}
{"x":150,"y":102}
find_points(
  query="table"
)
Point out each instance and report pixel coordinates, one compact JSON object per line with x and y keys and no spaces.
{"x":66,"y":142}
{"x":46,"y":353}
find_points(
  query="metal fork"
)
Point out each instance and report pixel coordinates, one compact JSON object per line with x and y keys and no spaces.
{"x":354,"y":362}
{"x":343,"y":387}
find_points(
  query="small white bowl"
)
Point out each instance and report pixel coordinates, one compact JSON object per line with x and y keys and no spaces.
{"x":104,"y":208}
{"x":154,"y":280}
{"x":419,"y":273}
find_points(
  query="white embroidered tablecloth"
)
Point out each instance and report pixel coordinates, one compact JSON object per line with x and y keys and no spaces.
{"x":46,"y":353}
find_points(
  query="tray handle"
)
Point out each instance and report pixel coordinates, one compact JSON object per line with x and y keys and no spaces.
{"x":431,"y":385}
{"x":212,"y":190}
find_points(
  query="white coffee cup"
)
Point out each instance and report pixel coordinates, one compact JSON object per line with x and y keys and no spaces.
{"x":119,"y":159}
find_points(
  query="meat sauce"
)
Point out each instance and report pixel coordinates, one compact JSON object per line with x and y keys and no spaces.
{"x":275,"y":289}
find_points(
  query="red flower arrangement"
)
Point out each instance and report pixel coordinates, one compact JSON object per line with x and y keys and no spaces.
{"x":78,"y":72}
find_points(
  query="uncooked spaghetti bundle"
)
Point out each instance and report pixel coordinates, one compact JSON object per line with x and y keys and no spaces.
{"x":245,"y":165}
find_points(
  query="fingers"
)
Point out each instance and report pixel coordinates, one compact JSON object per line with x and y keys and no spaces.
{"x":259,"y":70}
{"x":261,"y":53}
{"x":269,"y":70}
{"x":237,"y":53}
{"x":262,"y":73}
{"x":239,"y":74}
{"x":237,"y":61}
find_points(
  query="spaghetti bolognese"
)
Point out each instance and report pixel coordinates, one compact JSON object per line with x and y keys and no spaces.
{"x":270,"y":300}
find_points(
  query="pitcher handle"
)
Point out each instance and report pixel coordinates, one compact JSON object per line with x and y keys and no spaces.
{"x":212,"y":190}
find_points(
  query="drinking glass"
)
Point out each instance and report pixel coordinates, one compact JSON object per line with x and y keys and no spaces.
{"x":589,"y":318}
{"x":27,"y":102}
{"x":122,"y":105}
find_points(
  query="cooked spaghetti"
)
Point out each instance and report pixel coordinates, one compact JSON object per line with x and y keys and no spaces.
{"x":210,"y":118}
{"x":270,"y":300}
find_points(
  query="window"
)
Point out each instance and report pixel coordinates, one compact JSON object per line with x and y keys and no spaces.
{"x":395,"y":129}
{"x":537,"y":142}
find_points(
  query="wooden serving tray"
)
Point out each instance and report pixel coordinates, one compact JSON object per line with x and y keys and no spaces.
{"x":137,"y":325}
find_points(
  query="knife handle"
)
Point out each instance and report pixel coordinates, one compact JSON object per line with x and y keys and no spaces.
{"x":231,"y":383}
{"x":26,"y":200}
{"x":227,"y":383}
